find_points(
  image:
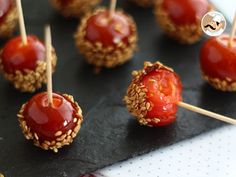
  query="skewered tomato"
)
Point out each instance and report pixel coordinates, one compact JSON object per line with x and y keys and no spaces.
{"x":153,"y":95}
{"x":218,"y":63}
{"x":51,"y":126}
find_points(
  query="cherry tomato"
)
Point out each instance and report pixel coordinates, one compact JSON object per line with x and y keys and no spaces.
{"x":108,"y":30}
{"x":217,"y":59}
{"x":16,"y":56}
{"x":185,"y":11}
{"x":45,"y":119}
{"x":163,"y":92}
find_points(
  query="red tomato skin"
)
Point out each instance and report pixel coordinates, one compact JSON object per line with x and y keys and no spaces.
{"x":45,"y":119}
{"x":109,"y":31}
{"x":164,"y":92}
{"x":184,"y":12}
{"x":16,"y":56}
{"x":217,"y":59}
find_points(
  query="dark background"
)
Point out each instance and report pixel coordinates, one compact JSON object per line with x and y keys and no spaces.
{"x":109,"y":133}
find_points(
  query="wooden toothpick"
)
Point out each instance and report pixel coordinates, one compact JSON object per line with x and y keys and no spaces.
{"x":21,"y":22}
{"x":48,"y":44}
{"x":233,"y":30}
{"x":207,"y":113}
{"x":112,"y":7}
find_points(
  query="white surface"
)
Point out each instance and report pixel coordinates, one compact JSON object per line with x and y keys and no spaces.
{"x":228,"y":7}
{"x":209,"y":155}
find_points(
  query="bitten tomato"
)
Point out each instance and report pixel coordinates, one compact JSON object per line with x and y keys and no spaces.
{"x":185,"y":11}
{"x":163,"y":92}
{"x":109,"y":31}
{"x":16,"y":56}
{"x":45,"y":119}
{"x":217,"y":59}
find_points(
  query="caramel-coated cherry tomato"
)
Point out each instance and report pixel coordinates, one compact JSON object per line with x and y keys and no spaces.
{"x":45,"y":120}
{"x":185,"y":11}
{"x":218,"y":60}
{"x":163,"y":92}
{"x":107,"y":30}
{"x":17,"y":56}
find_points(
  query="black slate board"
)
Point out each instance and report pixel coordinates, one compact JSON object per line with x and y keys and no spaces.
{"x":109,"y":133}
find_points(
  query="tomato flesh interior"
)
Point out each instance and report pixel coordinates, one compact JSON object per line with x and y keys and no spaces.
{"x":163,"y":92}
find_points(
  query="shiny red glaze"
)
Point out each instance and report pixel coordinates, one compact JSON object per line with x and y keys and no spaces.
{"x":16,"y":56}
{"x":108,"y":30}
{"x":46,"y":120}
{"x":186,"y":11}
{"x":163,"y":92}
{"x":5,"y":6}
{"x":217,"y":59}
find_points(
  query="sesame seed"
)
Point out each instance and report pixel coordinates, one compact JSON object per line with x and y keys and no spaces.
{"x":69,"y":132}
{"x":36,"y":136}
{"x":44,"y":146}
{"x":77,"y":128}
{"x":47,"y":142}
{"x":75,"y":120}
{"x":58,"y":133}
{"x":62,"y":137}
{"x":58,"y":144}
{"x":19,"y":115}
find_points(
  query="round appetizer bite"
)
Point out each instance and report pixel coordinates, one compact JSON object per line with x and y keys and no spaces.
{"x":106,"y":39}
{"x":144,"y":3}
{"x":50,"y":126}
{"x":51,"y":120}
{"x":8,"y":18}
{"x":218,"y":63}
{"x":153,"y":95}
{"x":74,"y":8}
{"x":25,"y":64}
{"x":181,"y":19}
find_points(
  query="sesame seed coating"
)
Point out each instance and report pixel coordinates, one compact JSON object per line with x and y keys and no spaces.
{"x":60,"y":139}
{"x":9,"y":23}
{"x":226,"y":84}
{"x":74,"y":8}
{"x":29,"y":80}
{"x":186,"y":34}
{"x":136,"y":95}
{"x":110,"y":56}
